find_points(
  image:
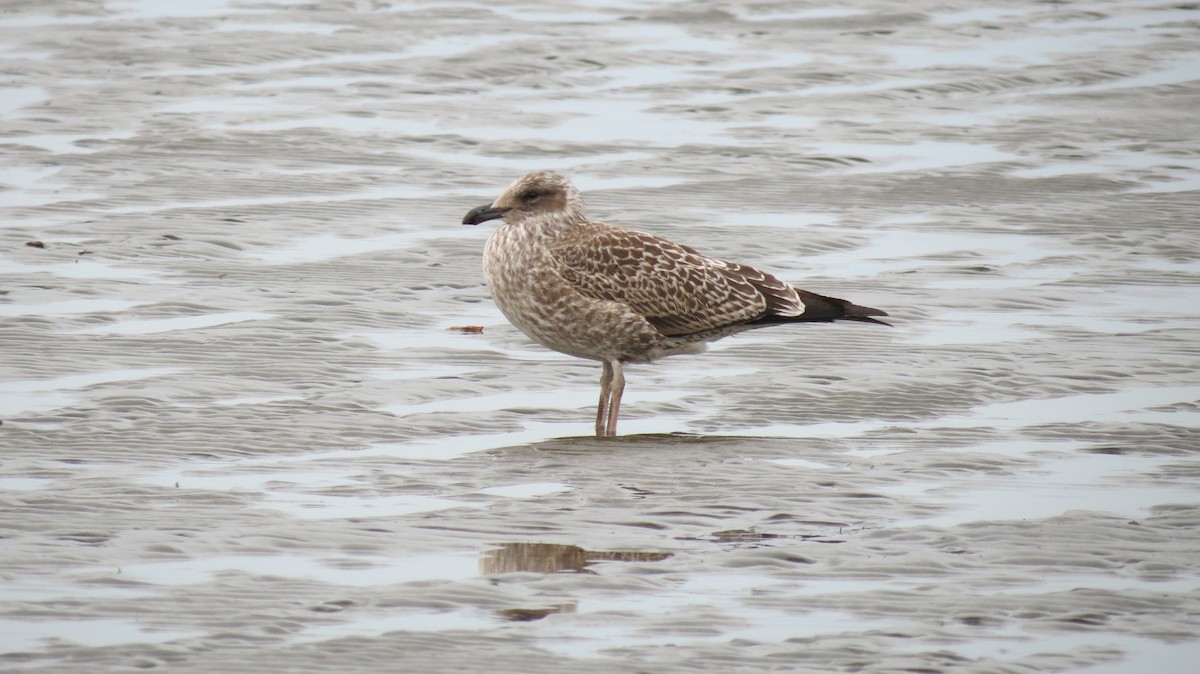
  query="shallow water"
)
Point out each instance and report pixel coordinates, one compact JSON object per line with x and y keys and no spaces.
{"x":237,"y":425}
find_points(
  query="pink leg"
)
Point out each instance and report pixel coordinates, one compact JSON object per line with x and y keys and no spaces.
{"x":614,"y":405}
{"x":605,"y":390}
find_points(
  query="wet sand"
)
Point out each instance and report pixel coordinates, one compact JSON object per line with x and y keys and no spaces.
{"x":239,"y":435}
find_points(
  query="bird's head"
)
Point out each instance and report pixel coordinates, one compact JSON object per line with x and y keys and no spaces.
{"x":535,"y":198}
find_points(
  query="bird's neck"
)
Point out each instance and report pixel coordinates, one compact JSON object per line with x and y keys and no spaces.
{"x":546,"y":226}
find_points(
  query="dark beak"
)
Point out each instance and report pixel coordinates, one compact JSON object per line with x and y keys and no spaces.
{"x":483,"y":214}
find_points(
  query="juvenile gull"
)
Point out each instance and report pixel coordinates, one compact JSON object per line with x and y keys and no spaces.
{"x":619,"y":296}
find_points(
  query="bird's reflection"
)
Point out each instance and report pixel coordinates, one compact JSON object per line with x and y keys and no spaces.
{"x":554,"y":558}
{"x":550,"y":558}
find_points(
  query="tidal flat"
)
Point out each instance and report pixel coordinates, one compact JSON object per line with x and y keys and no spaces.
{"x":243,"y":430}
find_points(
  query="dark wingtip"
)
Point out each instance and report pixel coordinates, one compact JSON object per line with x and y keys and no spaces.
{"x":868,"y":319}
{"x":821,"y":308}
{"x":855,"y":312}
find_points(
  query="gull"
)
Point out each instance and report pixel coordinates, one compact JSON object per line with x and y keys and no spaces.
{"x":616,"y":295}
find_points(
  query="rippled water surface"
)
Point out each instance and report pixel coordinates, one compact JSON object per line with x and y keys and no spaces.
{"x":243,"y":432}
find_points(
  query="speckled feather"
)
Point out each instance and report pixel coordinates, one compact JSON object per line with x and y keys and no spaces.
{"x":675,"y":288}
{"x":620,"y":296}
{"x":597,"y":291}
{"x":601,"y":292}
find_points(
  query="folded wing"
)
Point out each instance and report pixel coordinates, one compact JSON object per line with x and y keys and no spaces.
{"x":677,"y":289}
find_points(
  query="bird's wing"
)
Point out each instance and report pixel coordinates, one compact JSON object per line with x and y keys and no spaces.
{"x":677,"y":289}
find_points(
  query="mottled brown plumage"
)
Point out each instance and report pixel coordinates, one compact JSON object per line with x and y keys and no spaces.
{"x":618,"y":296}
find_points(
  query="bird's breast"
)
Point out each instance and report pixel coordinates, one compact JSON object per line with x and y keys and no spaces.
{"x":531,"y":292}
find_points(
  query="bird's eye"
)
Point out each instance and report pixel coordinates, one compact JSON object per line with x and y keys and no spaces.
{"x":530,"y":195}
